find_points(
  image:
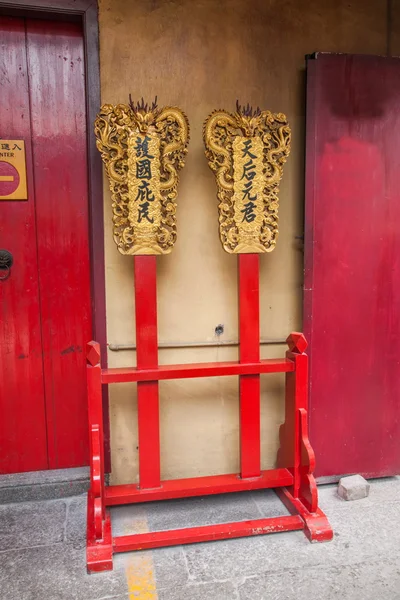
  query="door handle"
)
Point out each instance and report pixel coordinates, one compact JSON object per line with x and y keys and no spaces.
{"x":6,"y":262}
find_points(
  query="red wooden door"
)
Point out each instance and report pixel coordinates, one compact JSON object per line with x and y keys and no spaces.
{"x":45,"y":303}
{"x":352,"y":263}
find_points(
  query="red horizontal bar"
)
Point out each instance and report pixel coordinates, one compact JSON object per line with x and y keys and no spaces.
{"x":207,"y":533}
{"x":197,"y":486}
{"x":125,"y":374}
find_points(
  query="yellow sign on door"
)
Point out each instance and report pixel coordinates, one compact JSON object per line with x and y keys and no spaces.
{"x":13,"y":170}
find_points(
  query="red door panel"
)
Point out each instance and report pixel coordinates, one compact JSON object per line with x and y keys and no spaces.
{"x":57,"y":98}
{"x":23,"y":445}
{"x":352,"y":275}
{"x":45,"y":318}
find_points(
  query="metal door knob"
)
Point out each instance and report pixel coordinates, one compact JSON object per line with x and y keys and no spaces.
{"x":6,"y":261}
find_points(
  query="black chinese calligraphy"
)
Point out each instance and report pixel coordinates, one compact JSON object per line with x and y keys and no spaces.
{"x":145,"y":194}
{"x":142,"y":147}
{"x":143,"y":169}
{"x":246,"y":150}
{"x":7,"y":146}
{"x":248,"y":212}
{"x":143,"y":212}
{"x":248,"y":174}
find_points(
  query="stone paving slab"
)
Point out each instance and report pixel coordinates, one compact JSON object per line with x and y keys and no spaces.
{"x":31,"y":493}
{"x":75,"y":533}
{"x":368,"y":581}
{"x":32,"y":524}
{"x":204,"y":591}
{"x":269,"y":504}
{"x":361,"y":563}
{"x":168,"y":564}
{"x":43,"y":485}
{"x":45,"y":477}
{"x":170,"y":568}
{"x":187,"y":512}
{"x":55,"y":573}
{"x":370,"y":534}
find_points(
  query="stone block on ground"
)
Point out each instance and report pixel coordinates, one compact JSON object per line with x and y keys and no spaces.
{"x":354,"y":487}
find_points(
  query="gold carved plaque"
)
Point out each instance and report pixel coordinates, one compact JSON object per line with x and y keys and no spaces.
{"x":143,"y":148}
{"x":247,"y":151}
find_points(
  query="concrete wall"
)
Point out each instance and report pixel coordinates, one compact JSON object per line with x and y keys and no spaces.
{"x":201,"y":55}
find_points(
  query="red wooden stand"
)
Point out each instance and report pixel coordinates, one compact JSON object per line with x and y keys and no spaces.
{"x":293,"y":477}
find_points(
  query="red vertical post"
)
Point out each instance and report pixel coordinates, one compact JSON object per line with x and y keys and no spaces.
{"x":291,"y":452}
{"x":96,"y":437}
{"x":145,"y":273}
{"x":249,"y":351}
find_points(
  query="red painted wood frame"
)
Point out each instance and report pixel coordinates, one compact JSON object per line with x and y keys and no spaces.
{"x":352,"y":266}
{"x":293,"y":478}
{"x":85,"y":12}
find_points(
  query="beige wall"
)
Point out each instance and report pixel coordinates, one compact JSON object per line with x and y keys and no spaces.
{"x":201,"y":55}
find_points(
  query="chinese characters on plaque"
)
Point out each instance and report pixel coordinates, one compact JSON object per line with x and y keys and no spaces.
{"x":143,"y":162}
{"x":247,"y":163}
{"x":13,"y":170}
{"x":247,"y":151}
{"x":143,"y":148}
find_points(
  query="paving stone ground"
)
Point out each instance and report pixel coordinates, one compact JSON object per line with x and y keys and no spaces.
{"x":42,"y":551}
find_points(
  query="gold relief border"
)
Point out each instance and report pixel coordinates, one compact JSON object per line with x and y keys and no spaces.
{"x":117,"y":129}
{"x":224,"y":134}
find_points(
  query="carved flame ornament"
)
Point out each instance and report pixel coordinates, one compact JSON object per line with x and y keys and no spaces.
{"x":247,"y":151}
{"x":143,"y":148}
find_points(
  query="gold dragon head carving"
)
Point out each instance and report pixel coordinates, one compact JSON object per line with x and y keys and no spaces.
{"x":247,"y":151}
{"x":143,"y":147}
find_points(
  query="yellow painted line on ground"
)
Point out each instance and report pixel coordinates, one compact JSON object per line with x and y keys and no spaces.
{"x":139,"y":569}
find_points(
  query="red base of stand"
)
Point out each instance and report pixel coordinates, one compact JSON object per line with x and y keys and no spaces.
{"x":100,"y":552}
{"x":293,"y":481}
{"x":293,"y":478}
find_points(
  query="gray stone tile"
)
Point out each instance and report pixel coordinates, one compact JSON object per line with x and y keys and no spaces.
{"x":370,"y":534}
{"x":129,"y":518}
{"x":56,"y":573}
{"x":43,"y":485}
{"x":76,"y":521}
{"x":168,"y":566}
{"x":269,"y":504}
{"x":191,"y":512}
{"x":43,"y":491}
{"x":194,"y":512}
{"x":44,"y":477}
{"x":202,"y":591}
{"x":361,"y":563}
{"x":32,"y":524}
{"x":369,"y":581}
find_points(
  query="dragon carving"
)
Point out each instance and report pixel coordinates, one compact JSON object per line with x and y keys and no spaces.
{"x":143,"y":148}
{"x":247,"y":151}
